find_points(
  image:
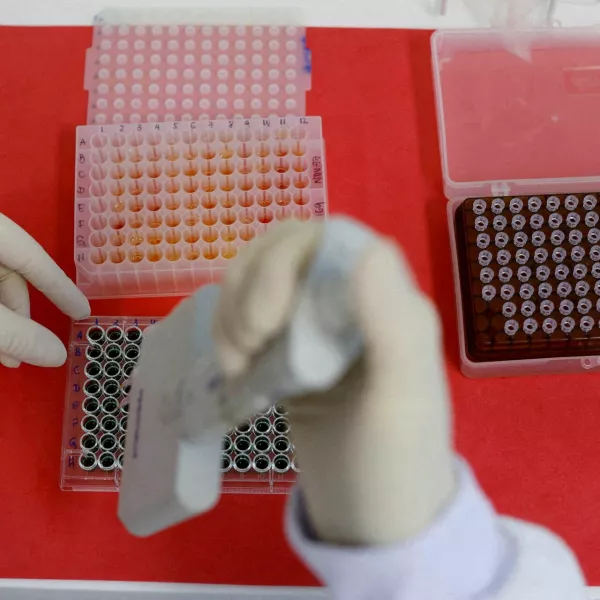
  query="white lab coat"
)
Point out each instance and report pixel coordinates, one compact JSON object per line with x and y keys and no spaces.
{"x":469,"y":553}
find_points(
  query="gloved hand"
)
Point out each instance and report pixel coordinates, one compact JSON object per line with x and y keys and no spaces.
{"x":376,"y":451}
{"x":22,"y":259}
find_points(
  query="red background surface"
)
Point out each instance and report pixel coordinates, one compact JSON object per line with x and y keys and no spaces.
{"x":533,"y":441}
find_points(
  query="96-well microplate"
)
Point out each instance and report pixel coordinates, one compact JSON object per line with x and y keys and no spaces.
{"x":161,"y":208}
{"x":530,"y":276}
{"x":258,"y":455}
{"x":155,"y":73}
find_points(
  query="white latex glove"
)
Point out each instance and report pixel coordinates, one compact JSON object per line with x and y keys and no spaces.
{"x":22,"y":259}
{"x":376,"y":451}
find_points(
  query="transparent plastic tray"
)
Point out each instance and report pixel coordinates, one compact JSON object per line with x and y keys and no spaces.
{"x":159,"y":73}
{"x":161,"y":208}
{"x":514,"y":128}
{"x":258,"y":456}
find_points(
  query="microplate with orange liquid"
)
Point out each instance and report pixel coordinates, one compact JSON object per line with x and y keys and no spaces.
{"x":161,"y":208}
{"x":159,"y":73}
{"x":258,"y":455}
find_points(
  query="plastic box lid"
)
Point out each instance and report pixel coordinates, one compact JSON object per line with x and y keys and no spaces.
{"x":513,"y":125}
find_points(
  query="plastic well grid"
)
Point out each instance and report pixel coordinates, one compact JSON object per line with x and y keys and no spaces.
{"x":165,"y":73}
{"x":530,"y":276}
{"x":258,"y":456}
{"x":160,"y":208}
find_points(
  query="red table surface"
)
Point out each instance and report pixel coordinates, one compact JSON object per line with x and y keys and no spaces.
{"x":533,"y":441}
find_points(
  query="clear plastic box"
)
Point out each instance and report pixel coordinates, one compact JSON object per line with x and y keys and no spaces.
{"x":510,"y":127}
{"x":161,"y":208}
{"x":258,"y":456}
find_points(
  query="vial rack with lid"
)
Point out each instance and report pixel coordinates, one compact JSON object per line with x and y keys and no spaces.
{"x":258,"y":455}
{"x":138,"y":73}
{"x":161,"y":208}
{"x":519,"y":137}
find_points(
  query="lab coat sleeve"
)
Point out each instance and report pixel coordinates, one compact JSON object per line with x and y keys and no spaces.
{"x":468,"y":553}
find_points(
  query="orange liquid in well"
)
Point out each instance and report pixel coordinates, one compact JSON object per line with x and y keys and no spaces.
{"x":153,"y":171}
{"x":153,"y":155}
{"x":247,"y":233}
{"x":245,"y":167}
{"x":98,"y":257}
{"x":135,"y":221}
{"x":172,"y":202}
{"x":154,"y":221}
{"x":246,"y":216}
{"x":228,"y":234}
{"x":190,"y":152}
{"x":300,"y":165}
{"x":192,"y":253}
{"x":136,"y":255}
{"x":209,"y":167}
{"x":263,"y":166}
{"x":298,"y":148}
{"x":210,"y":252}
{"x":136,"y":238}
{"x":280,"y":149}
{"x":283,"y":198}
{"x":209,"y":184}
{"x":245,"y":183}
{"x":154,"y":237}
{"x":190,"y":169}
{"x":172,"y":253}
{"x":153,"y":204}
{"x":117,"y":172}
{"x":227,"y":184}
{"x":135,"y":155}
{"x":264,"y":199}
{"x":172,"y":220}
{"x":209,"y":200}
{"x":263,"y":149}
{"x":281,"y":165}
{"x":246,"y":200}
{"x":172,"y":186}
{"x":191,"y":201}
{"x":136,"y":172}
{"x":136,"y":188}
{"x":117,"y":256}
{"x":301,"y":181}
{"x":117,"y":156}
{"x":172,"y":169}
{"x":226,"y":152}
{"x":117,"y":205}
{"x":210,"y":235}
{"x":208,"y":152}
{"x":282,"y":182}
{"x":117,"y":222}
{"x":228,"y":217}
{"x":263,"y":182}
{"x":154,"y":254}
{"x":191,"y":218}
{"x":190,"y":186}
{"x":191,"y":235}
{"x":227,"y":200}
{"x":171,"y":153}
{"x":117,"y":188}
{"x":301,"y":197}
{"x":245,"y":150}
{"x":229,"y":251}
{"x":117,"y":239}
{"x":153,"y":187}
{"x":265,"y":215}
{"x":209,"y":218}
{"x":172,"y":236}
{"x":98,"y":239}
